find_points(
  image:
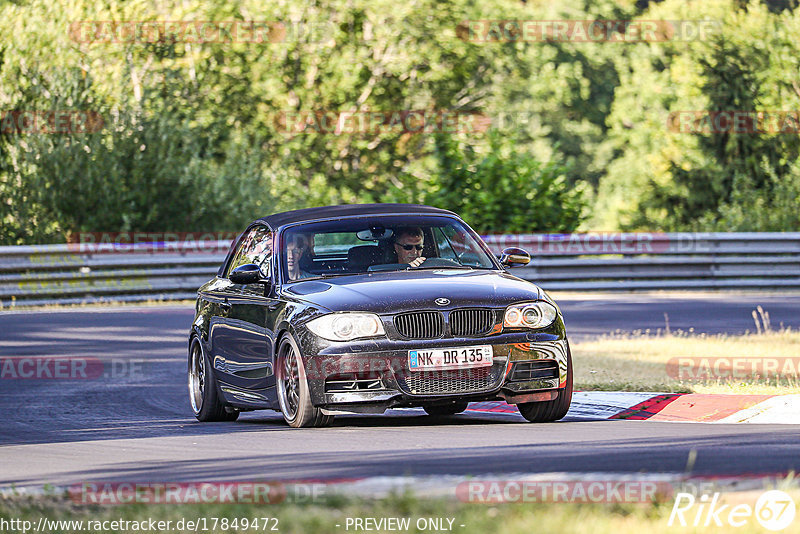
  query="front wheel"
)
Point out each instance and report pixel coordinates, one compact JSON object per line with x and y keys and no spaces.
{"x":203,"y":392}
{"x":294,"y":396}
{"x":546,"y":412}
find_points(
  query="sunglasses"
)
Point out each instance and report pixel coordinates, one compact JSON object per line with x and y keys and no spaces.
{"x":410,"y":247}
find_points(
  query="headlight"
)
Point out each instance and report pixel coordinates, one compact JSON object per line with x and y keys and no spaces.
{"x":529,"y":315}
{"x":346,"y":326}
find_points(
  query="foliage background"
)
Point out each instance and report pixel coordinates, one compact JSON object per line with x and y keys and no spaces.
{"x":578,"y":140}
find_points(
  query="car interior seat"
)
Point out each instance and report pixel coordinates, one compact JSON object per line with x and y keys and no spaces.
{"x":362,"y":256}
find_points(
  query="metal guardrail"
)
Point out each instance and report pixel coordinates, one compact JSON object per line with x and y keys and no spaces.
{"x":65,"y":274}
{"x":69,"y":274}
{"x":642,"y":261}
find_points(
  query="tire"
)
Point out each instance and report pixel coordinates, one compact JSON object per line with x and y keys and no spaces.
{"x":204,"y":394}
{"x":294,"y":396}
{"x":446,"y":409}
{"x":549,"y":411}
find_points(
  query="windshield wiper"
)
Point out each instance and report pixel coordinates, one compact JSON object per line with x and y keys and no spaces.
{"x":460,"y":267}
{"x":324,"y":275}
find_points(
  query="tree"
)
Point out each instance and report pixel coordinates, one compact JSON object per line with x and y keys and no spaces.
{"x":697,"y":179}
{"x":503,"y":190}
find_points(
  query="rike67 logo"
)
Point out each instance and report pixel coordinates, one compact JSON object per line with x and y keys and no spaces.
{"x":774,"y":510}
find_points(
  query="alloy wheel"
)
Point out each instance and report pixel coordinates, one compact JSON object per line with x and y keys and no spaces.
{"x":197,"y":377}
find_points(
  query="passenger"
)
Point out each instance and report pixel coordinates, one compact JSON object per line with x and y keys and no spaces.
{"x":296,"y":247}
{"x":408,"y":244}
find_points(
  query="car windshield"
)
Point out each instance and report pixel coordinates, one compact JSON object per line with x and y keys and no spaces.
{"x":375,"y":243}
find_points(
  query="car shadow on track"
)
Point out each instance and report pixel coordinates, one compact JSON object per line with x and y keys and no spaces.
{"x":415,"y":418}
{"x":115,"y":428}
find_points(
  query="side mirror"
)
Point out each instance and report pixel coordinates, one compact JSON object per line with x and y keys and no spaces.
{"x":249,"y":273}
{"x":514,"y":257}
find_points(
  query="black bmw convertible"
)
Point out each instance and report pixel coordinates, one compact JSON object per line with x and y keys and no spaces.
{"x":360,"y":308}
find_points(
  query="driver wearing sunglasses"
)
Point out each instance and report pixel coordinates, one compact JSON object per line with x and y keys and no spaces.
{"x":408,"y":244}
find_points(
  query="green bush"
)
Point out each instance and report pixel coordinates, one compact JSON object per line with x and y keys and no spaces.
{"x":503,"y":190}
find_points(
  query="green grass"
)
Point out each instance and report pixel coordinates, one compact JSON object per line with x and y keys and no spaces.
{"x":322,"y":517}
{"x":638,"y":362}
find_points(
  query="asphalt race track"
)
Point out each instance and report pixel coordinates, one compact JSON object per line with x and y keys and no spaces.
{"x":134,"y":423}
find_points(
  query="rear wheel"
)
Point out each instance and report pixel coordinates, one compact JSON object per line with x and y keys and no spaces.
{"x":545,"y":412}
{"x":203,"y":391}
{"x":446,"y":409}
{"x":294,"y":396}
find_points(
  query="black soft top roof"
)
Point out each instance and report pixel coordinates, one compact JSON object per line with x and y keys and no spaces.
{"x":344,"y":210}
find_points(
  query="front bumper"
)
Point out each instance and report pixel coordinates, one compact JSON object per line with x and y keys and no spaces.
{"x":373,"y":375}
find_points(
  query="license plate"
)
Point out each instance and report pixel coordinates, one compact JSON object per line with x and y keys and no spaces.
{"x":455,"y":358}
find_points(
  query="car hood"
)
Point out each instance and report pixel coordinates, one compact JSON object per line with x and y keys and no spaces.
{"x":413,"y":290}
